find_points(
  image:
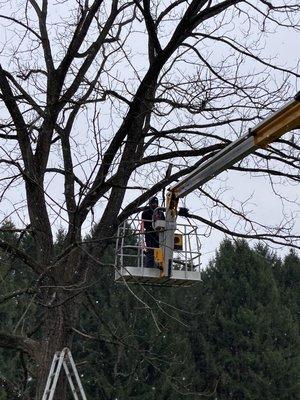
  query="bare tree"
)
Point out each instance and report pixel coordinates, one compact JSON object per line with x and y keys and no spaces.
{"x":97,"y":97}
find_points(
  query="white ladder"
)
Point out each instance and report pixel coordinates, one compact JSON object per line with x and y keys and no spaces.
{"x":63,"y":358}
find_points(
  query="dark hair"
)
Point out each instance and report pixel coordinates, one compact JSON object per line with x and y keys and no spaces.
{"x":153,"y":200}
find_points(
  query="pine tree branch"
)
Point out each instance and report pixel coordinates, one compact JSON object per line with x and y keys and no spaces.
{"x":11,"y":249}
{"x":15,"y":293}
{"x":20,"y":343}
{"x":11,"y":390}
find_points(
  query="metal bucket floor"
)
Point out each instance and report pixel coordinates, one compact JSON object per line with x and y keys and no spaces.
{"x":150,"y":276}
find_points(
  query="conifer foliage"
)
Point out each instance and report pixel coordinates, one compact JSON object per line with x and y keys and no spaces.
{"x":234,"y":336}
{"x":251,"y":332}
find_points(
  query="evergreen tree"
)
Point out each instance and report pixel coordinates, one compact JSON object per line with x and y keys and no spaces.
{"x":234,"y":336}
{"x":249,"y":339}
{"x":17,"y":314}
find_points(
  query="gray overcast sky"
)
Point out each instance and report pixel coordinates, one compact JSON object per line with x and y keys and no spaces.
{"x":285,"y":46}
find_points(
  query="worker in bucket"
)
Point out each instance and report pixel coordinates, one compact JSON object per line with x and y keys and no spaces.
{"x":151,"y":236}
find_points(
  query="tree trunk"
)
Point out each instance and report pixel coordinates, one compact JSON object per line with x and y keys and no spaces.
{"x":57,"y":334}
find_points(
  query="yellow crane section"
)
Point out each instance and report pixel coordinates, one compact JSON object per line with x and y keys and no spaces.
{"x":284,"y":120}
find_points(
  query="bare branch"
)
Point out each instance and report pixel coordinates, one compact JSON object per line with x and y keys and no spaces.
{"x":283,"y":240}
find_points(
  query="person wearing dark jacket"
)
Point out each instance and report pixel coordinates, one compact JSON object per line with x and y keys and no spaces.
{"x":151,"y":236}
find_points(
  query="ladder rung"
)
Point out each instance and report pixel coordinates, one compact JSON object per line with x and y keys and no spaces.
{"x":59,"y":359}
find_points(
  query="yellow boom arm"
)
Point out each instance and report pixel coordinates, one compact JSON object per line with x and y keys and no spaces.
{"x":284,"y":120}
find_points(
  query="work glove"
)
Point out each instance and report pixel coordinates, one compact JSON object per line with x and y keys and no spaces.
{"x":183,"y":212}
